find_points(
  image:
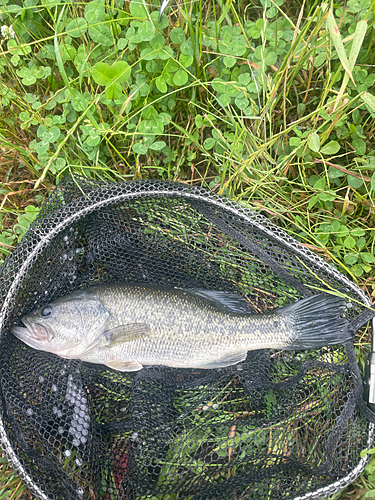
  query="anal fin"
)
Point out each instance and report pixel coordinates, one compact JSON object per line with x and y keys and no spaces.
{"x":124,"y":366}
{"x":228,"y":360}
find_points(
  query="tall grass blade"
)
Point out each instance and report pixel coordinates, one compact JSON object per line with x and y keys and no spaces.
{"x":337,"y":42}
{"x":359,"y":35}
{"x":369,"y":99}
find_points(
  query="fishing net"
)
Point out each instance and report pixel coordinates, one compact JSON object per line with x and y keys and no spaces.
{"x":281,"y":424}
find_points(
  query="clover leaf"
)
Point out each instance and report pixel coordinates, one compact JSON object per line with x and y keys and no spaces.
{"x":139,"y":148}
{"x":95,"y":11}
{"x":185,"y":61}
{"x":146,"y":31}
{"x":180,"y":78}
{"x":48,"y":136}
{"x":24,"y":220}
{"x":76,"y":27}
{"x":101,"y":33}
{"x":95,"y":16}
{"x":30,"y":76}
{"x":58,"y":165}
{"x":225,"y":91}
{"x":92,"y":135}
{"x":161,"y":84}
{"x":138,"y":10}
{"x":187,"y":48}
{"x":177,"y":36}
{"x":157,"y":145}
{"x":266,"y":55}
{"x":111,"y":77}
{"x":229,"y":61}
{"x":156,"y":49}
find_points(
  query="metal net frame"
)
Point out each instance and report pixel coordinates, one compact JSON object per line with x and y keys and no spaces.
{"x":281,"y":424}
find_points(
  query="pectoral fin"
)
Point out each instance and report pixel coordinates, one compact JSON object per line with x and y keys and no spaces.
{"x":124,"y":366}
{"x":125,"y":333}
{"x":230,"y":359}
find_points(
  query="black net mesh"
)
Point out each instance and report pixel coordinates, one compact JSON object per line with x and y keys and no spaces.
{"x":281,"y":424}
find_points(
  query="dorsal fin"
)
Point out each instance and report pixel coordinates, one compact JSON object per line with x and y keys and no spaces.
{"x":229,"y":301}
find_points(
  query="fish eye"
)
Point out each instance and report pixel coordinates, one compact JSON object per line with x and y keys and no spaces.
{"x":46,"y":311}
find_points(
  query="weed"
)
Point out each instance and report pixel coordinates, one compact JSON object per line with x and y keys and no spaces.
{"x":11,"y":487}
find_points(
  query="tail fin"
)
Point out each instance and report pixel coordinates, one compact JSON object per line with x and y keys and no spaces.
{"x":318,"y":322}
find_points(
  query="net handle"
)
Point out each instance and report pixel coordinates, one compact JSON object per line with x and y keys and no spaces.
{"x":369,"y":380}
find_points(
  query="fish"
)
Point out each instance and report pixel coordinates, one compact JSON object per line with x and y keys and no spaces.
{"x":128,"y":326}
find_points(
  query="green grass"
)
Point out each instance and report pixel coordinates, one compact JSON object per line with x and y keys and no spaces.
{"x":11,"y":487}
{"x":268,"y":102}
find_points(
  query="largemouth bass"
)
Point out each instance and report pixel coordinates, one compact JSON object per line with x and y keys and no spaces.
{"x":128,"y":326}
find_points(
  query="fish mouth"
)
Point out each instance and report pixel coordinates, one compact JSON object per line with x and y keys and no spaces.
{"x":32,"y":335}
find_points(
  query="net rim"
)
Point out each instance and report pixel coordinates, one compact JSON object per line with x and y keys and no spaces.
{"x":345,"y":481}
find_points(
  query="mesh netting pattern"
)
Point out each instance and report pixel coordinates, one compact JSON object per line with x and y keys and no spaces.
{"x":281,"y":424}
